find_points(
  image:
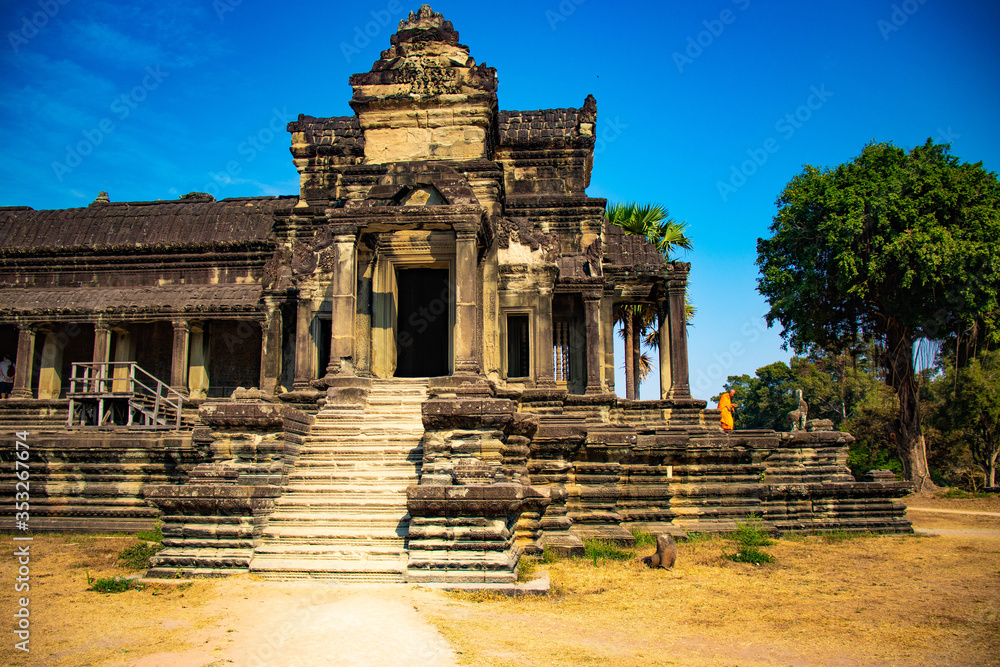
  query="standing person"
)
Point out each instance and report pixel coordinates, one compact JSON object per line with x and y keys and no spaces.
{"x":727,"y":406}
{"x":6,"y":376}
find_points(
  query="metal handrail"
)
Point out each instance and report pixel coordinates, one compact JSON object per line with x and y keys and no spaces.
{"x":94,"y":378}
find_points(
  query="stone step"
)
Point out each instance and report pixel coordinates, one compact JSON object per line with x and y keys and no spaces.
{"x":359,"y":475}
{"x":350,"y":487}
{"x":353,"y":455}
{"x":345,"y":519}
{"x":380,"y":551}
{"x":333,"y":542}
{"x":315,"y":532}
{"x":342,"y":501}
{"x":368,"y":578}
{"x":368,"y":431}
{"x":347,"y":463}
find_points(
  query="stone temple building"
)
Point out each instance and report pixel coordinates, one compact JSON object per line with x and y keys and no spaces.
{"x":403,"y":372}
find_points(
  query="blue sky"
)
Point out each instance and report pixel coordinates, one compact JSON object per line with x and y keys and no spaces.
{"x":709,"y":108}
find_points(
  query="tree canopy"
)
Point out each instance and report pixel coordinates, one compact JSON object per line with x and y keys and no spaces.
{"x":889,"y":248}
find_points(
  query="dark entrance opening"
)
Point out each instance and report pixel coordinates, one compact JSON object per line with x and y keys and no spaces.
{"x":422,"y":328}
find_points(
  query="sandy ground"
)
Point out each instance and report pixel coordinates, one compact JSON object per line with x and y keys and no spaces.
{"x":874,"y":601}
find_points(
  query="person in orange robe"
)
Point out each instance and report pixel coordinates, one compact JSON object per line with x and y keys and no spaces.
{"x":727,"y":406}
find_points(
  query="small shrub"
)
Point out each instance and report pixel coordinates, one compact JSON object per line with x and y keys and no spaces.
{"x":136,"y":557}
{"x":751,"y":554}
{"x":955,"y":493}
{"x":751,"y":532}
{"x":604,"y":549}
{"x":749,"y":537}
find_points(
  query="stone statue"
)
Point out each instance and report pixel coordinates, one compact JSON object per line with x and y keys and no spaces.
{"x":798,"y":417}
{"x":666,"y":553}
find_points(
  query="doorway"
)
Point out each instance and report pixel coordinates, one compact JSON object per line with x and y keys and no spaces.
{"x":423,"y":322}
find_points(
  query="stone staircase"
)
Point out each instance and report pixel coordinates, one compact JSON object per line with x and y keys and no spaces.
{"x":342,"y":515}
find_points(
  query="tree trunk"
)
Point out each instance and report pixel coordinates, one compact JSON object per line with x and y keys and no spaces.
{"x":629,"y":368}
{"x":909,"y":438}
{"x":636,"y":350}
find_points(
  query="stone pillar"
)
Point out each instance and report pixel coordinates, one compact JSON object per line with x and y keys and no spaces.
{"x":270,"y":353}
{"x":543,"y":364}
{"x":665,"y":363}
{"x":466,"y":355}
{"x":179,"y":357}
{"x":50,"y":376}
{"x":305,"y":348}
{"x":198,"y":380}
{"x":595,"y":347}
{"x":608,"y":340}
{"x":679,"y":388}
{"x":23,"y":364}
{"x":344,"y":301}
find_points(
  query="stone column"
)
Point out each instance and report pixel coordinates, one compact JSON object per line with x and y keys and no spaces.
{"x":543,"y":364}
{"x":344,"y":301}
{"x":305,"y":349}
{"x":270,"y":353}
{"x":595,"y":348}
{"x":50,"y":376}
{"x":466,"y":355}
{"x":198,"y":380}
{"x":665,"y":362}
{"x":179,"y":357}
{"x":608,"y":340}
{"x":23,"y":364}
{"x":679,"y":388}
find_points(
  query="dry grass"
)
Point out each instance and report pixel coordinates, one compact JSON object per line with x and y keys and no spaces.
{"x":865,"y":601}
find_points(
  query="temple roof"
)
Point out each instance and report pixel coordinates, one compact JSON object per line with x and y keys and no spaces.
{"x":340,"y":135}
{"x":156,"y":224}
{"x":549,"y":126}
{"x":621,"y":249}
{"x":166,"y":298}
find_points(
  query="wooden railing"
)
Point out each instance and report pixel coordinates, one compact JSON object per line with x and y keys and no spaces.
{"x":120,"y":394}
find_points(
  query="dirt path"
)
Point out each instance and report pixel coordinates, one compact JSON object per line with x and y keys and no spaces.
{"x":305,"y":624}
{"x":947,"y":511}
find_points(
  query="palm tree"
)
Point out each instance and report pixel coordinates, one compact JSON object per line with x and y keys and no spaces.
{"x":653,"y":222}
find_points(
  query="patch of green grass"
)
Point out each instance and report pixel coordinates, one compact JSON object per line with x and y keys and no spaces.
{"x":597,"y":549}
{"x":112,"y":584}
{"x":154,"y":535}
{"x":549,"y":555}
{"x":136,"y":557}
{"x":643,"y":538}
{"x":698,"y":538}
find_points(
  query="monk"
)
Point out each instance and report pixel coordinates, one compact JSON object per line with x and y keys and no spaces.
{"x":727,"y":406}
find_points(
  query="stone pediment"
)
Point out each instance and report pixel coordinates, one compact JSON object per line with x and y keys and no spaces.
{"x":421,"y":184}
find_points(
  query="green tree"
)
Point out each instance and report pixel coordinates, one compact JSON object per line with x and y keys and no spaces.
{"x":889,"y":248}
{"x":653,"y":222}
{"x":969,"y":408}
